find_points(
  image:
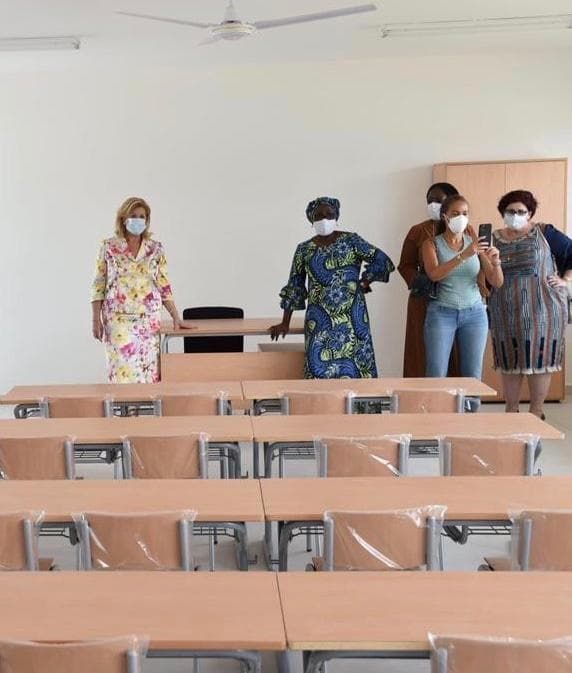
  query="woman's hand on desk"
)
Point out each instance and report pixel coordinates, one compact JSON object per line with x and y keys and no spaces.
{"x":178,"y":323}
{"x":281,"y":329}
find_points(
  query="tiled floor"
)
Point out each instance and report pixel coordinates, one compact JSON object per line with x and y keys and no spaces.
{"x":556,"y":459}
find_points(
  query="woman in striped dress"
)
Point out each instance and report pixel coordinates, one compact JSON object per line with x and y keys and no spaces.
{"x":529,"y":313}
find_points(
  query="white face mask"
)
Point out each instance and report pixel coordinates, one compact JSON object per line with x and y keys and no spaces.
{"x":515,"y":221}
{"x":434,"y":211}
{"x":135,"y":225}
{"x":324,"y":227}
{"x":458,"y":224}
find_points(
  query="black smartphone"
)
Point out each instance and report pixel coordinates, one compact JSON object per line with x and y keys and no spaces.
{"x":486,"y":232}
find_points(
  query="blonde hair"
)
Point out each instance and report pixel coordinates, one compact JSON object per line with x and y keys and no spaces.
{"x":125,"y":209}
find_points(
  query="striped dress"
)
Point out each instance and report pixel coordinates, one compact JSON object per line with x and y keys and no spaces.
{"x":528,"y":318}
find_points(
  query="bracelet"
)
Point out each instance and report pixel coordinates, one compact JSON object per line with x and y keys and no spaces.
{"x":460,"y":258}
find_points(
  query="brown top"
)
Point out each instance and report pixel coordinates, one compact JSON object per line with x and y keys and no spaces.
{"x":230,"y":327}
{"x":122,"y":392}
{"x":396,"y":611}
{"x":213,"y":499}
{"x":382,"y":387}
{"x":177,"y":610}
{"x":410,"y":261}
{"x":420,"y":426}
{"x":466,"y":498}
{"x":111,"y":430}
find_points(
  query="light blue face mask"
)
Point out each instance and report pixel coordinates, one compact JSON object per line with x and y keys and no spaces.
{"x":136,"y":225}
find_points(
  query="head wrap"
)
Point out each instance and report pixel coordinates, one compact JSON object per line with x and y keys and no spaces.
{"x":313,"y":206}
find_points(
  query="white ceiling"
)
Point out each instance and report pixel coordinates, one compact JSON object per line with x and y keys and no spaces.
{"x":111,"y":39}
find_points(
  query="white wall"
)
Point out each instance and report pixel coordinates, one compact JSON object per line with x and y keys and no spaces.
{"x":228,"y":159}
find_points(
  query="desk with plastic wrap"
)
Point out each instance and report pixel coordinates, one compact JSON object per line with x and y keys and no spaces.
{"x":360,"y":615}
{"x":184,"y":615}
{"x":298,"y":505}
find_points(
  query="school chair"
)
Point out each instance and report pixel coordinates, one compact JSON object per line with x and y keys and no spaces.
{"x":499,"y":655}
{"x":37,"y":458}
{"x":110,"y":655}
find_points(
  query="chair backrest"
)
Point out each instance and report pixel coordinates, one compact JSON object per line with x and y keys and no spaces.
{"x":177,"y":457}
{"x":542,"y":540}
{"x":215,"y":344}
{"x":112,"y":655}
{"x":19,"y":541}
{"x":37,"y":458}
{"x":78,"y":407}
{"x":308,"y":403}
{"x":178,"y":367}
{"x":427,"y":401}
{"x":488,"y":456}
{"x":406,"y":539}
{"x":191,"y":405}
{"x":142,"y":541}
{"x":500,"y":655}
{"x":385,"y":456}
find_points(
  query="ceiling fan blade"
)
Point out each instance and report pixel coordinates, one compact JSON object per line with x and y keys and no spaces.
{"x":318,"y":16}
{"x":164,"y":19}
{"x":209,"y":40}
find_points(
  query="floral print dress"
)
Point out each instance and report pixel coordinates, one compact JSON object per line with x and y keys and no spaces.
{"x":132,"y":290}
{"x":337,"y":331}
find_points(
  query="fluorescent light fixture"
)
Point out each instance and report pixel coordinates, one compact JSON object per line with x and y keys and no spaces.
{"x":39,"y":43}
{"x":503,"y":24}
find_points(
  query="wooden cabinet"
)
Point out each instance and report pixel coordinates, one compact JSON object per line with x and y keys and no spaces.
{"x":483,"y":184}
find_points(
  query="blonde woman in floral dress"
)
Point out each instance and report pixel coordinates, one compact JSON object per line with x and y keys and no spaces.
{"x":130,"y":287}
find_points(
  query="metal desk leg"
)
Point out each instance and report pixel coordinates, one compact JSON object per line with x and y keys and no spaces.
{"x":165,"y":344}
{"x":284,"y":662}
{"x":285,"y":529}
{"x":255,"y":460}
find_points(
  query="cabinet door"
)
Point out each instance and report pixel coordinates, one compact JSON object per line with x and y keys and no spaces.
{"x":547,"y":181}
{"x":482,"y":185}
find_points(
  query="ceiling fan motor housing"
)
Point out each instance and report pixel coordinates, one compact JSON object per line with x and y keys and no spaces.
{"x":233,"y":30}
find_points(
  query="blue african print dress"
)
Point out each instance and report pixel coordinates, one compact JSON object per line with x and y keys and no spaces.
{"x":337,"y":331}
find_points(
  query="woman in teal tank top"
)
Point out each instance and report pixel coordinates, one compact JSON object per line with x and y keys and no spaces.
{"x":454,"y":260}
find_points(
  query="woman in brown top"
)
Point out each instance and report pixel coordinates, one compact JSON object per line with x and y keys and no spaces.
{"x":411,"y":268}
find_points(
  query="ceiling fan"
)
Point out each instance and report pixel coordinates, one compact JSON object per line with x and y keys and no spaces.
{"x":233,"y":28}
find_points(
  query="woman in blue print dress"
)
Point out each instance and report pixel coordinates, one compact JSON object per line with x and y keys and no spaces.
{"x":337,"y":330}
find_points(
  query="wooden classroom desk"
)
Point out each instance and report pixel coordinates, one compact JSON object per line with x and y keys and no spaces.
{"x":180,"y":612}
{"x":278,"y":434}
{"x":391,"y":613}
{"x":380,"y":388}
{"x":101,"y":438}
{"x":111,"y":430}
{"x":466,"y":498}
{"x":27,"y":398}
{"x":227,"y":327}
{"x":420,"y":426}
{"x":485,"y":500}
{"x":121,"y":392}
{"x":213,"y":499}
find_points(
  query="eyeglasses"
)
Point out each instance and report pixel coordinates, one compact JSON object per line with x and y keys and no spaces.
{"x":511,"y":211}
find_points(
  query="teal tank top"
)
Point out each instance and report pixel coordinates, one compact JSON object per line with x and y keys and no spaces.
{"x":459,"y":289}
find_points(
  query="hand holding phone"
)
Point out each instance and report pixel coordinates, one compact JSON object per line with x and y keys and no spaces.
{"x":486,"y":233}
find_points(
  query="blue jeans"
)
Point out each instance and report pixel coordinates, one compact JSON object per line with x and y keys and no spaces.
{"x":469,"y":326}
